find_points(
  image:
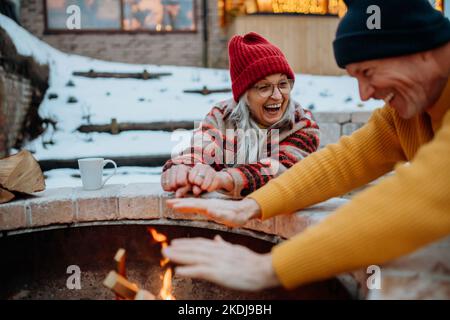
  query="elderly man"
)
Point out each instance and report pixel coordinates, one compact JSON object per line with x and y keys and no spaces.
{"x":406,"y":63}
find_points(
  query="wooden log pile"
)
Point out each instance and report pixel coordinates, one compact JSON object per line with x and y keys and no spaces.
{"x":20,"y":174}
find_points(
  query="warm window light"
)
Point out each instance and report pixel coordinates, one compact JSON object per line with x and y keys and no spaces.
{"x":319,"y":6}
{"x":439,"y":5}
{"x":282,"y":6}
{"x":337,"y":7}
{"x":265,"y":5}
{"x":316,"y":7}
{"x":251,"y":6}
{"x":305,"y":6}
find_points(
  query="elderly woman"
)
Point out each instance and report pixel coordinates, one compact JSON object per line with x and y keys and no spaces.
{"x":231,"y":156}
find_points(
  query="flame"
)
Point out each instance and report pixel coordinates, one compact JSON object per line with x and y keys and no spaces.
{"x":163,"y":261}
{"x":158,"y":237}
{"x":166,"y":289}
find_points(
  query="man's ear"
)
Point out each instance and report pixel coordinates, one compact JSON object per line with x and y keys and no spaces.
{"x":351,"y":68}
{"x":426,"y":56}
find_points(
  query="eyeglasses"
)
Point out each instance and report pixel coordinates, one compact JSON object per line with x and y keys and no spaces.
{"x":266,"y":90}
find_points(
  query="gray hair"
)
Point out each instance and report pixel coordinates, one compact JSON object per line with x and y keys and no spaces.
{"x":251,"y":146}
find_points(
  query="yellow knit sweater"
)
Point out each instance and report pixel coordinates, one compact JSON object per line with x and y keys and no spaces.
{"x":400,"y":214}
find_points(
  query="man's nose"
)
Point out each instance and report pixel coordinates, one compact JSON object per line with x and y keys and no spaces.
{"x":365,"y":90}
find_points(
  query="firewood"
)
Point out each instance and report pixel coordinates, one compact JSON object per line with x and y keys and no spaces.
{"x":120,"y":259}
{"x":5,"y":195}
{"x":21,"y":173}
{"x":144,"y":295}
{"x":121,"y":286}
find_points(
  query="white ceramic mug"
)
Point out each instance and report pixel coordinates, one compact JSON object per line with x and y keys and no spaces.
{"x":91,"y":170}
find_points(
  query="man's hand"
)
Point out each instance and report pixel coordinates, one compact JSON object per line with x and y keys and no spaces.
{"x":229,"y":212}
{"x":223,"y":263}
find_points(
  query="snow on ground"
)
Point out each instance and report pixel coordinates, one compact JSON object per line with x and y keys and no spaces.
{"x":133,"y":100}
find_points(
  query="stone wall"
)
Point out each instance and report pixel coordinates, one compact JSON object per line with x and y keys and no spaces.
{"x":173,"y":49}
{"x":333,"y":125}
{"x":23,"y":83}
{"x":15,"y":98}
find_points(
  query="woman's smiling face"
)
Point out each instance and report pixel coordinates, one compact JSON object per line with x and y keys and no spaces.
{"x":267,"y":106}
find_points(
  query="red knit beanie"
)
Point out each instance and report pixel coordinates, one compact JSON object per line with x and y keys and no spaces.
{"x":253,"y":58}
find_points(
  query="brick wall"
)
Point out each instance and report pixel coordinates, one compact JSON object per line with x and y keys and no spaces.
{"x":15,"y":99}
{"x":218,"y":39}
{"x":23,"y":83}
{"x":173,"y":49}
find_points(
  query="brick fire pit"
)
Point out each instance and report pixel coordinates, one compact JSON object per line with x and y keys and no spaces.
{"x":64,"y":214}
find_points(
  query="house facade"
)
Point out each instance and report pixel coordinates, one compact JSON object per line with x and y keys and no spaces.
{"x":187,"y":32}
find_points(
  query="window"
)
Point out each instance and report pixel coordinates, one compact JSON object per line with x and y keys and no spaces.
{"x":122,"y":15}
{"x":314,"y":7}
{"x":231,"y":8}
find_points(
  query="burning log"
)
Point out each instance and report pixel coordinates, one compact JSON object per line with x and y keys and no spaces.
{"x":121,"y":286}
{"x":20,"y":173}
{"x":125,"y":289}
{"x":144,"y":295}
{"x":120,"y":259}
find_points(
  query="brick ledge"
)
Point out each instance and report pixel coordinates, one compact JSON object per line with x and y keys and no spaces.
{"x":138,"y":201}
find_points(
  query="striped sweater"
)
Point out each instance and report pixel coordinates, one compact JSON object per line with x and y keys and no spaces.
{"x":216,"y":143}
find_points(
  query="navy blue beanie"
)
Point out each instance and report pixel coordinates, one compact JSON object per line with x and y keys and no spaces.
{"x":406,"y":27}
